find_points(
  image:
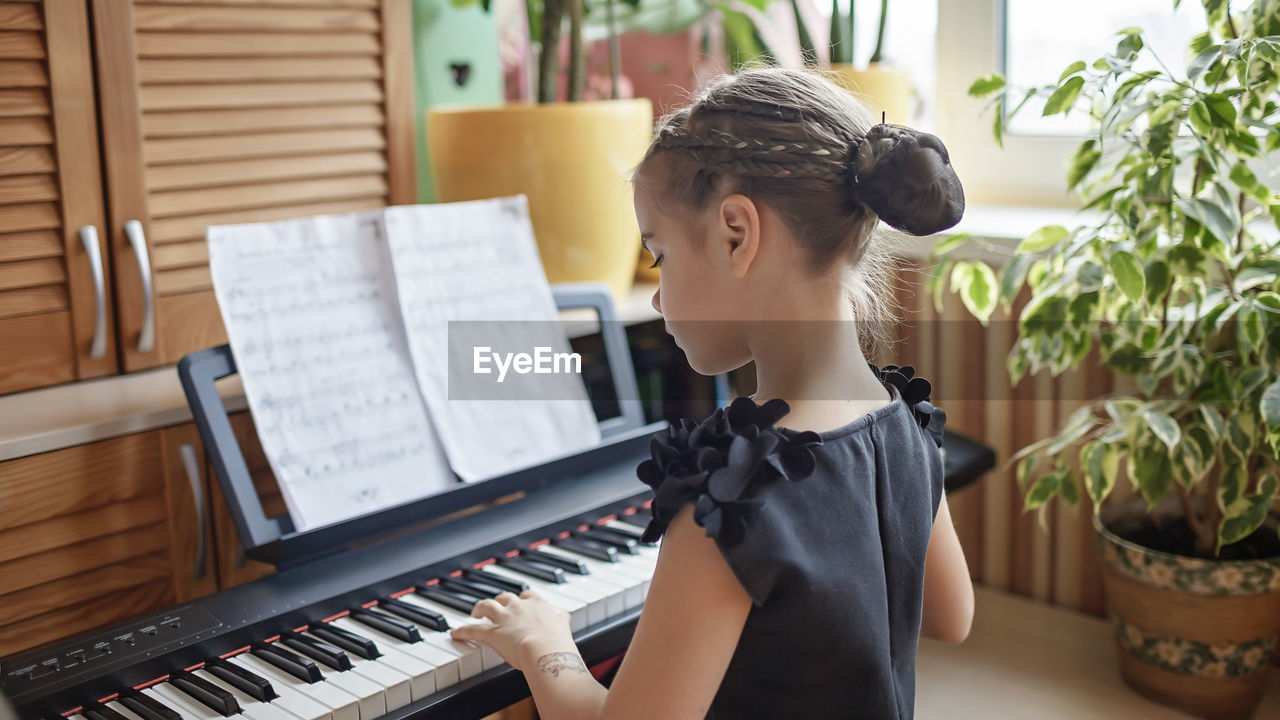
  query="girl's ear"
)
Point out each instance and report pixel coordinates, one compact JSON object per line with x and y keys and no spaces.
{"x":738,"y":225}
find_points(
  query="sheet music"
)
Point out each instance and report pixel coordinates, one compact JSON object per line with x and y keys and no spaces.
{"x":468,"y":274}
{"x":310,"y":310}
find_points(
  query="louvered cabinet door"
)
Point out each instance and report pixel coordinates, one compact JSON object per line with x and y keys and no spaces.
{"x":55,"y":286}
{"x":85,"y":538}
{"x":230,"y":111}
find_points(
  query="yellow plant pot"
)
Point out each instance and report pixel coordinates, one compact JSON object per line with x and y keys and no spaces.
{"x":881,"y":88}
{"x":570,"y":159}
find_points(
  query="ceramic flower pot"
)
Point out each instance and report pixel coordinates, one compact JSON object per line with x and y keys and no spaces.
{"x":570,"y":159}
{"x":881,"y":88}
{"x":1192,"y":633}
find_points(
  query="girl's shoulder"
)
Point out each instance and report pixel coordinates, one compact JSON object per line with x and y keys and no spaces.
{"x":713,"y":462}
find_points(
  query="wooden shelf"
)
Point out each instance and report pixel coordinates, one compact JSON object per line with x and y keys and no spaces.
{"x":1027,"y":659}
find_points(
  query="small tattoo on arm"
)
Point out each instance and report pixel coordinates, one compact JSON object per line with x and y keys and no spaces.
{"x":555,"y":662}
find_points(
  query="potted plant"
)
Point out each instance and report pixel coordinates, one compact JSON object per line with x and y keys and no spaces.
{"x":883,"y":86}
{"x":570,"y":158}
{"x":1176,"y":285}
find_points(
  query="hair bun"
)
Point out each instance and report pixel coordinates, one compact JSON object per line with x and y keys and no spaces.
{"x":905,"y":177}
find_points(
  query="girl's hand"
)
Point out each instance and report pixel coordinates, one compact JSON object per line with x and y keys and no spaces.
{"x":517,"y":622}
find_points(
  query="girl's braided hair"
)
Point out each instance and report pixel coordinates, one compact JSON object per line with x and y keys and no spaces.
{"x":807,"y":147}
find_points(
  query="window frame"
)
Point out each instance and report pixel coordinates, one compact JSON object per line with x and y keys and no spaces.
{"x":1029,"y":169}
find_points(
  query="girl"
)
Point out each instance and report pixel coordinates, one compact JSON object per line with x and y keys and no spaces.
{"x":802,"y":560}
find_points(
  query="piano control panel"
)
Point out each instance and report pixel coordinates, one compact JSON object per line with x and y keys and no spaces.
{"x":136,"y":640}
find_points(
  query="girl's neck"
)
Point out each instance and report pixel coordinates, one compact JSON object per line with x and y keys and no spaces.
{"x":809,"y":350}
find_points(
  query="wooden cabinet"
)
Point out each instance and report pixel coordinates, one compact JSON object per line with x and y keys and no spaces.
{"x":211,"y":112}
{"x":56,"y":323}
{"x":86,"y":539}
{"x":220,"y":112}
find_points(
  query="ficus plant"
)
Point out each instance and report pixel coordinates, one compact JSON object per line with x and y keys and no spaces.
{"x":1174,"y":279}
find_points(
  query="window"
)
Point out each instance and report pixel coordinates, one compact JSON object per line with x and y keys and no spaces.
{"x":1039,"y":39}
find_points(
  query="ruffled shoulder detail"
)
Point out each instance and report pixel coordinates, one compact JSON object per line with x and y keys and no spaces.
{"x":712,"y":463}
{"x":915,"y":393}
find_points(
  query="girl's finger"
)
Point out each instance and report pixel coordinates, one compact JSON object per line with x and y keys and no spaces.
{"x":530,"y":594}
{"x":487,"y":608}
{"x":477,"y":632}
{"x":505,"y":598}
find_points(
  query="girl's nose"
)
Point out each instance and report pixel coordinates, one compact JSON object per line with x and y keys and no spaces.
{"x":656,"y":305}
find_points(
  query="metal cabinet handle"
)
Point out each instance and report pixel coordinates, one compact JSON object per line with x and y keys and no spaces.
{"x":192,"y":465}
{"x":147,"y":337}
{"x":92,"y":248}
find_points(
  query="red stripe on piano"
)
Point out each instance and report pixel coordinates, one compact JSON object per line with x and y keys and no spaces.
{"x":197,"y":666}
{"x":149,"y":683}
{"x":369,"y":604}
{"x":482,"y":563}
{"x":235,"y":652}
{"x":607,"y":518}
{"x":273,"y":638}
{"x":540,"y":543}
{"x":433,"y":581}
{"x":301,"y":628}
{"x":584,"y":526}
{"x":344,"y":613}
{"x":630,"y":511}
{"x":648,"y":503}
{"x":512,"y":553}
{"x":107,"y":699}
{"x":455,"y":573}
{"x":73,"y":711}
{"x":402,"y":593}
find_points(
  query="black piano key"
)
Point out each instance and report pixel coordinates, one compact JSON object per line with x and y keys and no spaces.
{"x":211,"y":696}
{"x":147,"y":707}
{"x":574,"y":566}
{"x":623,"y":528}
{"x":347,"y":640}
{"x":98,"y":711}
{"x":316,"y":650}
{"x":590,"y":548}
{"x":388,"y":624}
{"x":507,"y":584}
{"x":243,"y":679}
{"x":542,"y":572}
{"x":302,"y":668}
{"x":414,"y":613}
{"x":474,"y":587}
{"x":623,"y":544}
{"x":457,"y":602}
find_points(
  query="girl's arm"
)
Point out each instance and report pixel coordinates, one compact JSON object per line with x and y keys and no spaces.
{"x":687,"y":633}
{"x":948,"y":590}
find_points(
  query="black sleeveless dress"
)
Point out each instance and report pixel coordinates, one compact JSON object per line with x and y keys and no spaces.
{"x":827,"y":532}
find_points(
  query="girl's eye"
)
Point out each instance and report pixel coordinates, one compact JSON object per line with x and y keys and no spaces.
{"x":657,"y":262}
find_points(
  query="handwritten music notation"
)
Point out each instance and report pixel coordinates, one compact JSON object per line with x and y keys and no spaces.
{"x":478,"y":261}
{"x":310,"y":309}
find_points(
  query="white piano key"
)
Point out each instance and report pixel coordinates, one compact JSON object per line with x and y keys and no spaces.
{"x":251,"y":708}
{"x":489,"y":658}
{"x":421,"y":676}
{"x":470,"y":657}
{"x":447,"y":666}
{"x":607,"y":586}
{"x":190,"y":708}
{"x":632,"y":579}
{"x":124,"y":711}
{"x":373,"y":697}
{"x":395,"y":683}
{"x":342,"y":704}
{"x":574,"y":605}
{"x":597,"y":609}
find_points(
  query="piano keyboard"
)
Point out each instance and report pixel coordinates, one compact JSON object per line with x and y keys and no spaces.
{"x":377,"y":655}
